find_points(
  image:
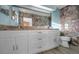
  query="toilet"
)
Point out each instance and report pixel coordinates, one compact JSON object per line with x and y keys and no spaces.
{"x":64,"y":41}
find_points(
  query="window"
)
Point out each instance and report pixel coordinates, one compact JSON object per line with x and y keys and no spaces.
{"x":66,"y":26}
{"x":27,"y":21}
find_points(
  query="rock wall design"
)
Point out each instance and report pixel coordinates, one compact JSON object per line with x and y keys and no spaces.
{"x":70,"y":18}
{"x":36,"y":19}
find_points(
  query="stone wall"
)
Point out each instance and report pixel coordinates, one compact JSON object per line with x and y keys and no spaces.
{"x":70,"y":18}
{"x":36,"y":19}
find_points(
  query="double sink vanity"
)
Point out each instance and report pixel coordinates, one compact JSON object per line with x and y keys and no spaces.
{"x":27,"y":41}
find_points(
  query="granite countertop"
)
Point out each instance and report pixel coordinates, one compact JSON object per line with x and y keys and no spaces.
{"x":6,"y":28}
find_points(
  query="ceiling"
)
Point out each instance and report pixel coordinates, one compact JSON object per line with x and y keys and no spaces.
{"x":44,"y":9}
{"x":54,"y":6}
{"x":36,"y":9}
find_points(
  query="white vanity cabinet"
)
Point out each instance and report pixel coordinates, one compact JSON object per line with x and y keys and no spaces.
{"x":27,"y":41}
{"x":13,"y":42}
{"x":41,"y":40}
{"x":21,"y":43}
{"x":49,"y":39}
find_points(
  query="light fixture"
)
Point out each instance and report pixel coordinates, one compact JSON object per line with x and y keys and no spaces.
{"x":42,"y":7}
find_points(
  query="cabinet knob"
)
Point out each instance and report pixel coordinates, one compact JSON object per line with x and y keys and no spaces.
{"x":40,"y":47}
{"x":39,"y":39}
{"x":39,"y":32}
{"x":14,"y":48}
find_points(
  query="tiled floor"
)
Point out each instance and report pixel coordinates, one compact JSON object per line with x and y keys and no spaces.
{"x":63,"y":50}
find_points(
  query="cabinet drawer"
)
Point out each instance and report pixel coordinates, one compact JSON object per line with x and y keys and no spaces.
{"x":35,"y":45}
{"x":12,"y":34}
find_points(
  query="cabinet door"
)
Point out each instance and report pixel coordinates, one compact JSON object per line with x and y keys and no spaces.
{"x":49,"y":40}
{"x":21,"y":46}
{"x":52,"y":37}
{"x":7,"y":42}
{"x":5,"y":46}
{"x":21,"y":43}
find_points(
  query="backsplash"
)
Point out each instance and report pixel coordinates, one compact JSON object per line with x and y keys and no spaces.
{"x":40,"y":21}
{"x":36,"y":19}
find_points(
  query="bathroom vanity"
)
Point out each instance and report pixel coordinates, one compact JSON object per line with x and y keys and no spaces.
{"x":27,"y":41}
